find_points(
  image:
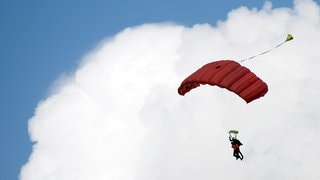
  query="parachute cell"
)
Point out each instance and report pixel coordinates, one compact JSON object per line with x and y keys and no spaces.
{"x":226,"y":74}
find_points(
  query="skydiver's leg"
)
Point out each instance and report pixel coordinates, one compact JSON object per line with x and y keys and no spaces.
{"x":236,"y":154}
{"x":241,"y":155}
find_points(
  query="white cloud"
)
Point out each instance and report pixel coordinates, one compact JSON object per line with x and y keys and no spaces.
{"x":119,"y":116}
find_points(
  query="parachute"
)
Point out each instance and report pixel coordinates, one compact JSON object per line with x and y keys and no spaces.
{"x":231,"y":75}
{"x":227,"y":74}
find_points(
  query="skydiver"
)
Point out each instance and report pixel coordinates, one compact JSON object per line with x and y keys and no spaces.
{"x":235,"y":144}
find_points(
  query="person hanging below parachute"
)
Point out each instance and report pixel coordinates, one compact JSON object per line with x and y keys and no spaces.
{"x":231,"y":75}
{"x":235,"y":144}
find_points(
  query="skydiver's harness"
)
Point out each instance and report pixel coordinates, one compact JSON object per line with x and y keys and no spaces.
{"x":235,"y":146}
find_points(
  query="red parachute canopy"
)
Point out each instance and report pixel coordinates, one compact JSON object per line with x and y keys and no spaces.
{"x":227,"y":74}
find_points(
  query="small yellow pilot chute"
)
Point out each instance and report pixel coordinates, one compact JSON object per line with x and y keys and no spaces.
{"x":289,"y":37}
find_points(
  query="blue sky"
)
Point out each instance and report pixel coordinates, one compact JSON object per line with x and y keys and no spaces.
{"x":40,"y":40}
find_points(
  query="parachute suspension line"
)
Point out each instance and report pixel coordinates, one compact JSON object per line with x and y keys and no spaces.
{"x":289,"y":38}
{"x":238,"y":114}
{"x":233,"y":114}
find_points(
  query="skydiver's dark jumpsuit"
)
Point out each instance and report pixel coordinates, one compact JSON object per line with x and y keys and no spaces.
{"x":235,"y":144}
